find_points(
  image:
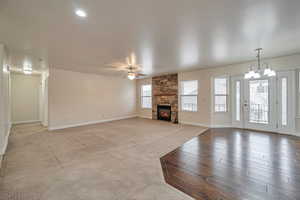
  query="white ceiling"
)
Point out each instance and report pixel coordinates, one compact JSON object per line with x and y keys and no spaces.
{"x":166,"y":35}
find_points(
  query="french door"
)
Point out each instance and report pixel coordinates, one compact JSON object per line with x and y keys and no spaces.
{"x":259,"y":104}
{"x":264,"y":104}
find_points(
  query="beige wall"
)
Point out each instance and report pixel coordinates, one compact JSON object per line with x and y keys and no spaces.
{"x":202,"y":116}
{"x":5,"y":122}
{"x":25,"y":97}
{"x":205,"y":115}
{"x":80,"y":98}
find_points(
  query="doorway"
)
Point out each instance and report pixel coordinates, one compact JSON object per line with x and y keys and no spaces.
{"x":266,"y":104}
{"x":29,"y":98}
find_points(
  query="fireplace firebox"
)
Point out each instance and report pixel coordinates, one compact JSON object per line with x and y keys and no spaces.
{"x":164,"y":112}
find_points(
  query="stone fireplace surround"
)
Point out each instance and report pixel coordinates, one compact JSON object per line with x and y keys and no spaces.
{"x":165,"y":92}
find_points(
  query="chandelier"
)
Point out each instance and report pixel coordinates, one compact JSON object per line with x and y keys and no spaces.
{"x":259,"y":72}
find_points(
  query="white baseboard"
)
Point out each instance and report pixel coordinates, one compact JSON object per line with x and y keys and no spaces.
{"x":145,"y":117}
{"x":3,"y":150}
{"x":275,"y":131}
{"x":26,"y":122}
{"x":206,"y":125}
{"x":221,"y":126}
{"x":45,"y":123}
{"x":289,"y":133}
{"x":231,"y":126}
{"x":5,"y":143}
{"x":89,"y":123}
{"x":194,"y":124}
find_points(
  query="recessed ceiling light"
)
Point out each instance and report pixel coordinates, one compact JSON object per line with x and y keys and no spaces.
{"x":80,"y":13}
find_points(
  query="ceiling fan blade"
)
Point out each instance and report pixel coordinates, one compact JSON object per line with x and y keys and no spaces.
{"x":140,"y":74}
{"x":128,"y":61}
{"x":122,"y":68}
{"x":117,"y":64}
{"x":115,"y":69}
{"x":134,"y":69}
{"x":133,"y":59}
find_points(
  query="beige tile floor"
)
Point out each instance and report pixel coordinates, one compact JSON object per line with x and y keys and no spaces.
{"x":110,"y":161}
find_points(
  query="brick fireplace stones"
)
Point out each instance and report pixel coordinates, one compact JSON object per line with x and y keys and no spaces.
{"x":165,"y":92}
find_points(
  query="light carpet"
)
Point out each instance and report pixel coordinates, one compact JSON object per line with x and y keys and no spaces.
{"x":116,"y":160}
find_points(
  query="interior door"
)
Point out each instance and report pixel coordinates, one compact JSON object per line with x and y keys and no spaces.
{"x":259,"y":104}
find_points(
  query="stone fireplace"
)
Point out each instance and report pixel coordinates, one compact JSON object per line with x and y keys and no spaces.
{"x":165,"y":94}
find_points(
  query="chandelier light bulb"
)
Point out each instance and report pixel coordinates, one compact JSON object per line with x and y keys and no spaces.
{"x":256,"y":75}
{"x":272,"y":73}
{"x":267,"y":72}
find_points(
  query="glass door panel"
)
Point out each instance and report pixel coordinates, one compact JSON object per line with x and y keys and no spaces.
{"x":237,"y":84}
{"x":238,"y":100}
{"x":259,"y":101}
{"x":286,"y":101}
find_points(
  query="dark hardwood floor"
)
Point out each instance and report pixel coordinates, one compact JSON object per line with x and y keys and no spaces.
{"x":230,"y":164}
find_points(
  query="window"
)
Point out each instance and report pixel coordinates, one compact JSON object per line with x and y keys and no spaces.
{"x":146,"y":95}
{"x":189,"y":94}
{"x":220,"y":94}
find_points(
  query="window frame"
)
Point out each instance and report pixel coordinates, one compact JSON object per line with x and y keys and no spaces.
{"x":284,"y":115}
{"x":298,"y":99}
{"x":299,"y":80}
{"x":142,"y":96}
{"x":190,"y":95}
{"x":221,"y":95}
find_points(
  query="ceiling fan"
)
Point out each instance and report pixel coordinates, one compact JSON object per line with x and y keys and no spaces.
{"x":130,"y":67}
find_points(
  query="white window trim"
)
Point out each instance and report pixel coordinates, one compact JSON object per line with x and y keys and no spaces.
{"x":182,"y":95}
{"x":145,"y":96}
{"x":227,"y":93}
{"x":298,"y":81}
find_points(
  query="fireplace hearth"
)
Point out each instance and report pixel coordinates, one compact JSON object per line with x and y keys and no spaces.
{"x":164,"y":112}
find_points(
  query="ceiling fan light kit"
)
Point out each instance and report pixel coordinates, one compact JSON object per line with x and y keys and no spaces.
{"x":131,"y":75}
{"x":252,"y":74}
